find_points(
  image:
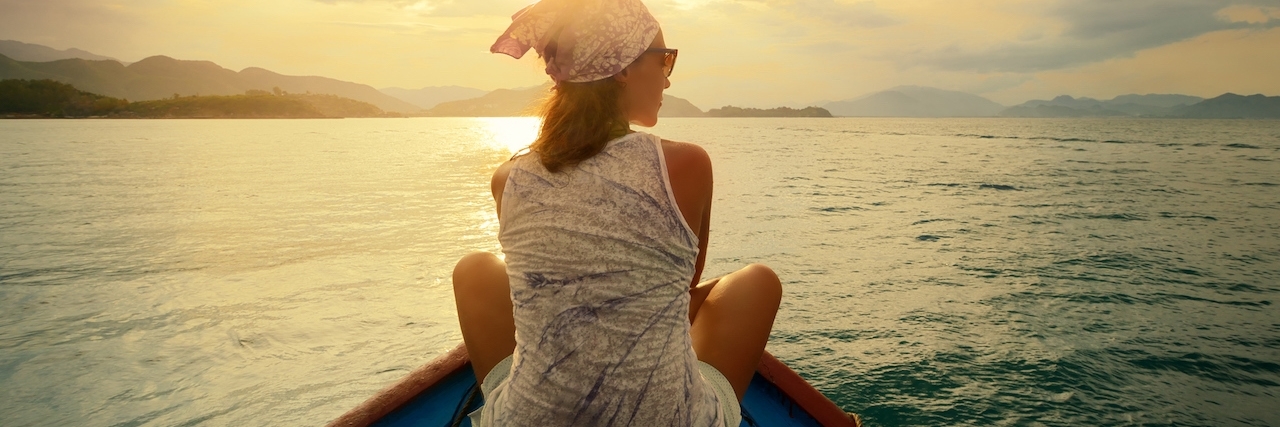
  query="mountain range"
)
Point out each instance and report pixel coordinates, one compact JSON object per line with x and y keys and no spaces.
{"x":1232,"y":106}
{"x":915,"y":101}
{"x":47,"y":98}
{"x":428,"y":97}
{"x":1127,"y":105}
{"x":36,"y":53}
{"x":160,"y":77}
{"x":524,"y":102}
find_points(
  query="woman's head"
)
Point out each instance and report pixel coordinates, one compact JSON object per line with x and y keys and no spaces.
{"x":578,"y":119}
{"x":643,"y":82}
{"x":610,"y":65}
{"x":580,"y":40}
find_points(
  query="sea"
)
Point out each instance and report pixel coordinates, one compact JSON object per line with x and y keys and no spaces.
{"x":937,"y":272}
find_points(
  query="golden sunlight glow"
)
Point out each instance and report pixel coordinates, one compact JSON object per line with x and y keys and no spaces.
{"x":510,"y":133}
{"x":690,"y":4}
{"x":756,"y":53}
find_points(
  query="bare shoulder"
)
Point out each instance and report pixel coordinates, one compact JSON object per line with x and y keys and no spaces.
{"x":689,"y":169}
{"x":686,"y":158}
{"x":499,"y":181}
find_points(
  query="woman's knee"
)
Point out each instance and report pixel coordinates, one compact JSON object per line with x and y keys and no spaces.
{"x":478,"y":267}
{"x":476,"y":260}
{"x":763,"y":281}
{"x":761,"y":272}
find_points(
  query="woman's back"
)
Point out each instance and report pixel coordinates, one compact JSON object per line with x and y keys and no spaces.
{"x":597,"y":316}
{"x":600,"y":259}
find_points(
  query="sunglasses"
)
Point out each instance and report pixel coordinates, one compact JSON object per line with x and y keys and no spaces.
{"x":668,"y":58}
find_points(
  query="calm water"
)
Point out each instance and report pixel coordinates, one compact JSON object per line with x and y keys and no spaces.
{"x":937,"y":272}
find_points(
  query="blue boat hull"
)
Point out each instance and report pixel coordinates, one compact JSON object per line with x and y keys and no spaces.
{"x":448,"y":403}
{"x":443,"y":392}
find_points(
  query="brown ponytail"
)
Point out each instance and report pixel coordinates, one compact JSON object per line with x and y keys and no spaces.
{"x":578,"y":119}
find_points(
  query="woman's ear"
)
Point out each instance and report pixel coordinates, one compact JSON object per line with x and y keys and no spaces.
{"x":623,"y":76}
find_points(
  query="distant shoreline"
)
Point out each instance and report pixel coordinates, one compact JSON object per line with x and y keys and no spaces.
{"x":48,"y":98}
{"x":41,"y":117}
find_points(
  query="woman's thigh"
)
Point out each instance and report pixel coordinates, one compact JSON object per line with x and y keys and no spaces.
{"x":483,"y":295}
{"x":733,"y":318}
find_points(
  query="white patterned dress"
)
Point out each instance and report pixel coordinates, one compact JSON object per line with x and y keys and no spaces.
{"x":600,"y":260}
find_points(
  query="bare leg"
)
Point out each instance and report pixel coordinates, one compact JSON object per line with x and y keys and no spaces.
{"x":732,"y":321}
{"x":483,"y":295}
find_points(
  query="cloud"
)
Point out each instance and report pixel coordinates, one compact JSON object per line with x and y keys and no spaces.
{"x":1207,"y":66}
{"x":420,"y":28}
{"x":863,"y":14}
{"x":1250,"y":13}
{"x":96,"y":26}
{"x":997,"y":83}
{"x":837,"y":13}
{"x":450,"y":8}
{"x":1093,"y":31}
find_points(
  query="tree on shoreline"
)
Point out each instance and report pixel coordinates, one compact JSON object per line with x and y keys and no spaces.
{"x":49,"y":98}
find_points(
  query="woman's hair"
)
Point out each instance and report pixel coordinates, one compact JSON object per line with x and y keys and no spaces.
{"x":578,"y":119}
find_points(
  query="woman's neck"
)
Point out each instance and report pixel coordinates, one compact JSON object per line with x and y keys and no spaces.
{"x":619,"y":130}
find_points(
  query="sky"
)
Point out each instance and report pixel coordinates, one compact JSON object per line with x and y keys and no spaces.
{"x":749,"y":53}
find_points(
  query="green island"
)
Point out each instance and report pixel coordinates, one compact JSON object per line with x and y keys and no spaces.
{"x":52,"y":99}
{"x":731,"y":111}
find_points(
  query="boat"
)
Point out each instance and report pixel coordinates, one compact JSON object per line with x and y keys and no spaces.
{"x":442,"y":393}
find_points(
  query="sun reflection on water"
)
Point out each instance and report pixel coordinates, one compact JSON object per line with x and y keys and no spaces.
{"x":510,"y":133}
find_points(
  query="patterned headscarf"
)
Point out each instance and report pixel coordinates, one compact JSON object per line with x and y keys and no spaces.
{"x":589,"y":39}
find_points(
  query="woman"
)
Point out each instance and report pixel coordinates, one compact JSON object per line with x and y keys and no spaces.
{"x":597,"y":315}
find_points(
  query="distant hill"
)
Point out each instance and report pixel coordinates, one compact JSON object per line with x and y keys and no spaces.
{"x":262,"y":78}
{"x":256,"y":104}
{"x":731,"y":111}
{"x":678,"y":107}
{"x":524,"y":102}
{"x":1064,"y":106}
{"x":800,"y":105}
{"x":915,"y":101}
{"x":160,"y":77}
{"x":36,"y":53}
{"x":1120,"y":106}
{"x":1154,"y":100}
{"x":429,"y":97}
{"x":48,"y":98}
{"x":1232,"y":106}
{"x":497,"y":103}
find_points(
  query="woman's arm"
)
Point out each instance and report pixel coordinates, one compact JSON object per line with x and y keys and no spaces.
{"x":704,"y":230}
{"x":689,"y":168}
